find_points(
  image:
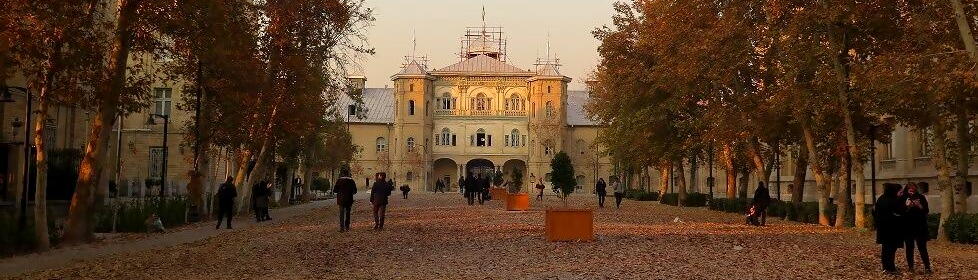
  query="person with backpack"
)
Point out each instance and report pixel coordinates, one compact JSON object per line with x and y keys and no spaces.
{"x":405,"y":189}
{"x":379,"y":197}
{"x":225,"y":202}
{"x":344,"y":189}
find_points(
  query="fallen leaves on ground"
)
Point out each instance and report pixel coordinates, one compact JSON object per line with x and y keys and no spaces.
{"x":437,"y":236}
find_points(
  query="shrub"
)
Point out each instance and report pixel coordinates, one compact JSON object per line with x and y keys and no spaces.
{"x":692,"y":199}
{"x":320,"y":184}
{"x":646,"y":196}
{"x":131,"y":216}
{"x":962,"y":228}
{"x":933,"y":223}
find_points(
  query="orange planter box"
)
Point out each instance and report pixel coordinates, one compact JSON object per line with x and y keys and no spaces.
{"x":498,"y":193}
{"x":517,"y":202}
{"x":570,"y":225}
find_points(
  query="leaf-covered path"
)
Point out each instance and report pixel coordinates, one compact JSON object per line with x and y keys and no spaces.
{"x":436,"y":236}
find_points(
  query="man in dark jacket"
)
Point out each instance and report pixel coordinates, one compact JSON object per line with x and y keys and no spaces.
{"x":479,"y":191}
{"x":470,"y":189}
{"x":916,"y":224}
{"x":761,"y":200}
{"x":888,"y":216}
{"x":225,"y":201}
{"x":345,"y":188}
{"x":259,"y":200}
{"x":601,"y":189}
{"x":461,"y":184}
{"x":379,"y":197}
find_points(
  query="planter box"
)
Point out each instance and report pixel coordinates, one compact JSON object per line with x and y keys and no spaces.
{"x":517,"y":202}
{"x":570,"y":225}
{"x":498,"y":193}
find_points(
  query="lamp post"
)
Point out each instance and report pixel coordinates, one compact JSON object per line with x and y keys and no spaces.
{"x":151,"y":120}
{"x":8,"y":97}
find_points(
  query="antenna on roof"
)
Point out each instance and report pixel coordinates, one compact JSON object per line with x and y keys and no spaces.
{"x":548,"y":45}
{"x":414,"y":43}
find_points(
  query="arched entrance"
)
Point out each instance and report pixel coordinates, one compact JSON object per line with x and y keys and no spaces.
{"x":513,"y":164}
{"x":480,"y":167}
{"x":446,"y":170}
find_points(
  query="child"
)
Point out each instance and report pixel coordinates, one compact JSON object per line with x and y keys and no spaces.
{"x":752,"y":216}
{"x":154,"y":224}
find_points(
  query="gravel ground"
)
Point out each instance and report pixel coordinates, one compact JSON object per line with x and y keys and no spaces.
{"x":436,"y":236}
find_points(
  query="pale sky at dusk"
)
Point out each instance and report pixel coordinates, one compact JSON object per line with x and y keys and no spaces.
{"x":439,"y":25}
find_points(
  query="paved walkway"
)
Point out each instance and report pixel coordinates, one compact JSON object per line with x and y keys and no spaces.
{"x":59,"y":257}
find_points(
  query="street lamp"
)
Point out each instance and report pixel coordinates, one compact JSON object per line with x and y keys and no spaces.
{"x":151,"y":120}
{"x":6,"y":96}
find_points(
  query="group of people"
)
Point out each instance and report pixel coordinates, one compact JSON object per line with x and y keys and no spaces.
{"x":601,"y":189}
{"x":261,"y":196}
{"x":380,"y":192}
{"x":900,"y":214}
{"x":475,"y":188}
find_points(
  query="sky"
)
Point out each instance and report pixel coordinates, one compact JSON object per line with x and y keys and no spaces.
{"x":439,"y":25}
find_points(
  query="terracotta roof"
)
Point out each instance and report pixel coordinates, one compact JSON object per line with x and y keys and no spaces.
{"x":482,"y":64}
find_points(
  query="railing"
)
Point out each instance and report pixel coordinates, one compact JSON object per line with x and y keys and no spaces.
{"x":480,"y":113}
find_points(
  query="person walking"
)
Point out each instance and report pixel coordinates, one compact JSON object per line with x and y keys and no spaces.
{"x":439,"y":186}
{"x":540,"y":188}
{"x":470,"y":189}
{"x":482,"y":188}
{"x":619,"y":191}
{"x":601,"y":188}
{"x":344,"y":189}
{"x":461,"y":185}
{"x":888,"y":215}
{"x":225,"y":202}
{"x":405,"y":189}
{"x":258,"y":200}
{"x":916,"y":225}
{"x":762,"y":198}
{"x":379,"y":197}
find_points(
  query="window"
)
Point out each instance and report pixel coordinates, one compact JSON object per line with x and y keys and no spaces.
{"x":887,"y":152}
{"x":550,"y":109}
{"x":411,"y":87}
{"x":480,"y":138}
{"x":580,"y":181}
{"x":481,"y":102}
{"x":50,"y":133}
{"x":410,"y":176}
{"x":155,"y":162}
{"x":381,"y":144}
{"x":547,"y":150}
{"x":533,"y":113}
{"x":514,"y":103}
{"x":351,"y":110}
{"x":548,"y":89}
{"x":581,"y":146}
{"x":411,"y":107}
{"x":524,"y":141}
{"x":515,"y":136}
{"x":410,"y":144}
{"x":445,"y":134}
{"x":924,"y":138}
{"x":446,"y":101}
{"x":162,"y":101}
{"x":453,"y":140}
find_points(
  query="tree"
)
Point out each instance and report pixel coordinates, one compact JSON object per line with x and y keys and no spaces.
{"x":562,"y":175}
{"x":516,"y":181}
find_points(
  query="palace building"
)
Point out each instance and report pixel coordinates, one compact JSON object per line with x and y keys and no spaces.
{"x":479,"y":115}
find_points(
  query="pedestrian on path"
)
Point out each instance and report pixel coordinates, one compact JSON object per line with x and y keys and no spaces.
{"x":461,"y":185}
{"x":888,"y":216}
{"x":915,"y":227}
{"x":344,"y":189}
{"x":405,"y":189}
{"x":482,"y":187}
{"x":619,"y":191}
{"x":268,"y":197}
{"x":470,"y":189}
{"x":439,"y":186}
{"x":379,"y":197}
{"x":259,"y":200}
{"x":601,"y":188}
{"x":225,"y":202}
{"x":760,"y":202}
{"x":540,"y":188}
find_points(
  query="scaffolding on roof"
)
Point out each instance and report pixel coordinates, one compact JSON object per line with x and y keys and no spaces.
{"x":483,"y":40}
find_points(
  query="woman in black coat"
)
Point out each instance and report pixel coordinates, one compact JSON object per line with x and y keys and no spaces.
{"x":762,"y":198}
{"x":888,"y":216}
{"x":379,"y":194}
{"x":601,"y":188}
{"x":915,"y":224}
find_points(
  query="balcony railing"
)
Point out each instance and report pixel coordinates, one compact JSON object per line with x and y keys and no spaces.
{"x":480,"y":113}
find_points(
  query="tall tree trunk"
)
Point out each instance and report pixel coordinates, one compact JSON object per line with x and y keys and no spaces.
{"x":681,"y":186}
{"x":939,"y":158}
{"x":306,"y":181}
{"x":744,"y":181}
{"x":842,"y":196}
{"x":244,"y":196}
{"x":763,"y":170}
{"x":730,"y":171}
{"x":663,"y":179}
{"x":40,"y":193}
{"x":801,"y":170}
{"x":287,"y":187}
{"x":963,"y":159}
{"x":821,"y":180}
{"x":79,"y":222}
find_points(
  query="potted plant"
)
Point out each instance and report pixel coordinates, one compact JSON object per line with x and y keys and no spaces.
{"x":567,"y":224}
{"x":517,"y":200}
{"x":497,"y":191}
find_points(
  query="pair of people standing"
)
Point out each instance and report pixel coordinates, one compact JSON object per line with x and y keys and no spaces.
{"x":901,"y":220}
{"x":261,"y":194}
{"x":476,"y":188}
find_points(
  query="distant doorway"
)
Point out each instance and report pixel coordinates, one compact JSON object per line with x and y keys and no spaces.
{"x":480,"y":167}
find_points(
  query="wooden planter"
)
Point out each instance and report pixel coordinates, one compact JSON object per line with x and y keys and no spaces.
{"x":517,"y":202}
{"x":570,"y":225}
{"x":498,"y":193}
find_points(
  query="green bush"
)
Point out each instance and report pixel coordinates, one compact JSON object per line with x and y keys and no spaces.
{"x":12,"y":239}
{"x":321,"y":184}
{"x":962,"y":228}
{"x":646,"y":196}
{"x":692,"y":199}
{"x":131,"y":216}
{"x":933,"y":223}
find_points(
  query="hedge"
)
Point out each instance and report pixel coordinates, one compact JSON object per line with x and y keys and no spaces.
{"x":962,"y":228}
{"x":692,"y":199}
{"x":131,"y":216}
{"x":640,"y":195}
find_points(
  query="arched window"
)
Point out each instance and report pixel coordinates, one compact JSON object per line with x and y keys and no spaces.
{"x":446,"y":101}
{"x":481,"y":102}
{"x":412,"y":88}
{"x":381,"y":144}
{"x":581,"y":146}
{"x":410,"y":144}
{"x":514,"y":103}
{"x":548,"y":89}
{"x":482,"y":139}
{"x":411,"y":107}
{"x":445,"y":136}
{"x":550,"y":109}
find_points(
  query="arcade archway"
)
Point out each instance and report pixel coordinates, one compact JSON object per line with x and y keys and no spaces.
{"x":445,"y":169}
{"x":480,"y":167}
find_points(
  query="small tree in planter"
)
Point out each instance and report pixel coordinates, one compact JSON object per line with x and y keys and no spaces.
{"x":516,"y":200}
{"x":567,"y":224}
{"x":497,"y":179}
{"x":562,"y":176}
{"x":516,"y":182}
